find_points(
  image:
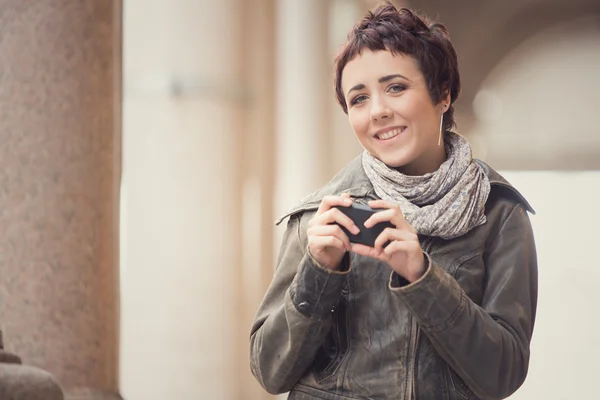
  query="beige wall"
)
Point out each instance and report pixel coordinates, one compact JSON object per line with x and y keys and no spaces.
{"x":538,"y":107}
{"x":566,"y":346}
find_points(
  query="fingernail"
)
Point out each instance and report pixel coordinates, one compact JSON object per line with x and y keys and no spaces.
{"x":355,"y":230}
{"x":348,"y":201}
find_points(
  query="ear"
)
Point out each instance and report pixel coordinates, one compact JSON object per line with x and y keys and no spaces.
{"x":445,"y":101}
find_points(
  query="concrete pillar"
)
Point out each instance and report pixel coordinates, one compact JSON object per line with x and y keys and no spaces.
{"x":181,"y":220}
{"x":303,"y":90}
{"x":302,"y":106}
{"x":59,"y":146}
{"x":344,"y":145}
{"x":258,"y":174}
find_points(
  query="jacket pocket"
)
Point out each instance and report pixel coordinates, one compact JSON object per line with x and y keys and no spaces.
{"x":334,"y":348}
{"x":458,"y":387}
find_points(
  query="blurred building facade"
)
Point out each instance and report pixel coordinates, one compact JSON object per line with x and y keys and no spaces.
{"x":180,"y":130}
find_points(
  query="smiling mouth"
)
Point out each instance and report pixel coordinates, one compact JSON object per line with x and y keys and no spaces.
{"x":390,"y":134}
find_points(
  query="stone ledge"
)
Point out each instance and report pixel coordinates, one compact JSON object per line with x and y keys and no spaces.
{"x":91,"y":394}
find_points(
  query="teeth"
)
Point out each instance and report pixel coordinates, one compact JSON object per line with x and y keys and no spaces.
{"x":390,"y":134}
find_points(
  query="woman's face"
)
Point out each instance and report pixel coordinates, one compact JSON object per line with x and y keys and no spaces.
{"x":391,"y":112}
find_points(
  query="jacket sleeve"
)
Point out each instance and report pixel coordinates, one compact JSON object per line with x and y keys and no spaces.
{"x":295,"y":315}
{"x":487,"y":345}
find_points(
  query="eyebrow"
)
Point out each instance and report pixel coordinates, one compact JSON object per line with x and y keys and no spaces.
{"x":383,"y":79}
{"x":390,"y":77}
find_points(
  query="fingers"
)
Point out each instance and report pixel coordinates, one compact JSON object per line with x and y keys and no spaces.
{"x":399,"y":241}
{"x":401,"y":246}
{"x":366,"y":251}
{"x":322,"y":242}
{"x":328,"y":236}
{"x":322,"y":229}
{"x":391,"y":235}
{"x":336,"y":216}
{"x":331,"y":201}
{"x":392,"y":213}
{"x":327,"y":215}
{"x":382,"y":204}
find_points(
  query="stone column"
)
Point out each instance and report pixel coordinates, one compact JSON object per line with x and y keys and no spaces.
{"x":302,"y":105}
{"x":345,"y":146}
{"x":303,"y":91}
{"x":181,"y":205}
{"x":258,"y":174}
{"x":59,"y":179}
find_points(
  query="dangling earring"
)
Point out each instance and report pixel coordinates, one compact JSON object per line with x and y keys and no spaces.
{"x":441,"y":124}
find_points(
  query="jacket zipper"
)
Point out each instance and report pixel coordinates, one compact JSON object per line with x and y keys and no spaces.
{"x":414,"y":342}
{"x":415,"y":330}
{"x":414,"y":353}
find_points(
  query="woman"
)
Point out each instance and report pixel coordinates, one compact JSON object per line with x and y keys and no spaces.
{"x":442,"y":306}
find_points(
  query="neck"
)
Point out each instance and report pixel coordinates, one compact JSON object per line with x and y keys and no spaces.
{"x":425,"y":164}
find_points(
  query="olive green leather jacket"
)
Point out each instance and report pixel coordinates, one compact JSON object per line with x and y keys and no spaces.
{"x":462,"y":331}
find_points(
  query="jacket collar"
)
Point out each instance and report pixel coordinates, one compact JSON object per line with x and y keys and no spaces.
{"x":353,"y":180}
{"x":497,"y":181}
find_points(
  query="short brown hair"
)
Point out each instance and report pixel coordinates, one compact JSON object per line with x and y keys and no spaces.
{"x":404,"y":32}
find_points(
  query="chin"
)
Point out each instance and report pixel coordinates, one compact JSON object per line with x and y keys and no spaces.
{"x":395,"y":165}
{"x":394,"y":160}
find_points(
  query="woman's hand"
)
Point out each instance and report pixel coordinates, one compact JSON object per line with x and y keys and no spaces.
{"x":327,"y":242}
{"x":403,"y":254}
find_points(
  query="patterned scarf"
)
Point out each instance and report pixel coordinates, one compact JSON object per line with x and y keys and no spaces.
{"x":446,"y":203}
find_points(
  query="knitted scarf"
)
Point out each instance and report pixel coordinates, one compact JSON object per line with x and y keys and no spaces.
{"x":446,"y":203}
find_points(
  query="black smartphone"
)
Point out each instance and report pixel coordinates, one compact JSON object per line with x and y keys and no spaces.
{"x":359,"y":213}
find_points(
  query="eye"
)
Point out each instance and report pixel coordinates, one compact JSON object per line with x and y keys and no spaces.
{"x":361,"y":98}
{"x":396,"y":88}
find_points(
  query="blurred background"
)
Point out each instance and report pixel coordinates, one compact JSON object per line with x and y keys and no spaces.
{"x":148,"y":146}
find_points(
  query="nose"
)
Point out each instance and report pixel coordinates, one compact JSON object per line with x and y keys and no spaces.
{"x":379,"y":109}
